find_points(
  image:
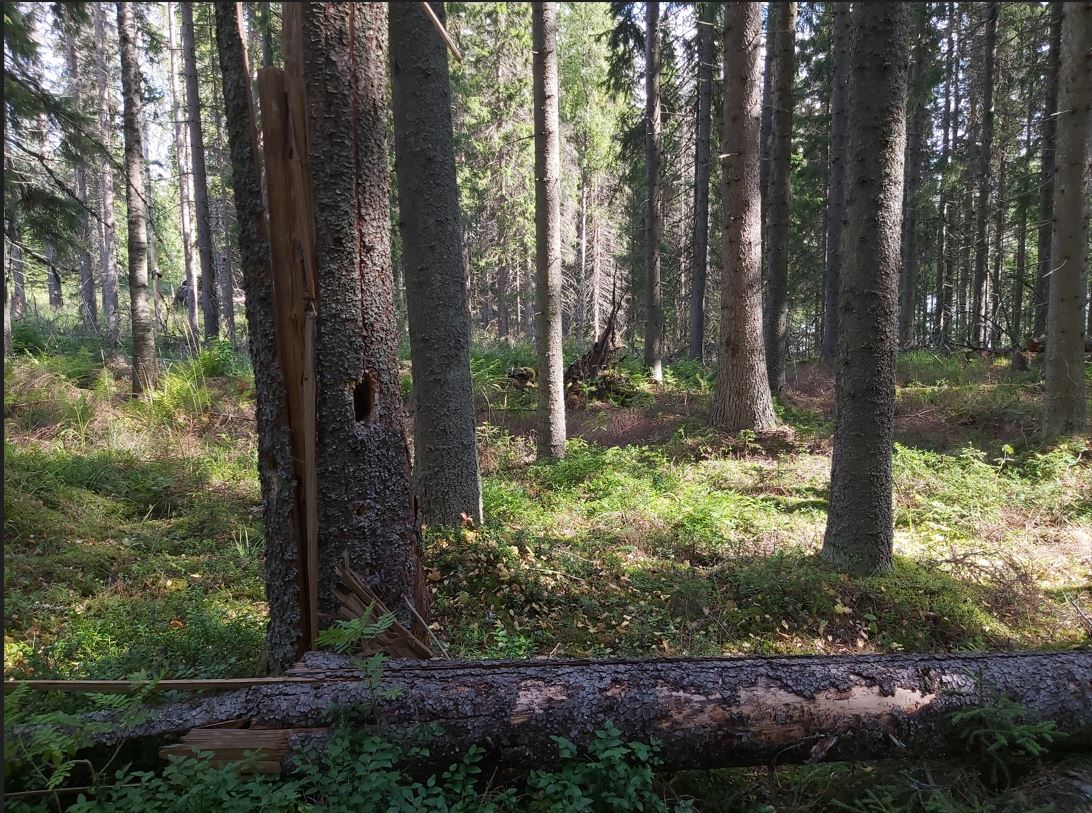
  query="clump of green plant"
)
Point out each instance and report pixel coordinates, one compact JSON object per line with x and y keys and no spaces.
{"x":1003,"y":738}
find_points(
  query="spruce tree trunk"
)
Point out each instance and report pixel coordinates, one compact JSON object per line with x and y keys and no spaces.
{"x":836,"y":198}
{"x":150,"y":214}
{"x":769,"y":76}
{"x":185,"y":179}
{"x":742,"y":396}
{"x":777,"y":215}
{"x":88,"y":307}
{"x":53,"y":277}
{"x":446,"y":458}
{"x":943,"y":306}
{"x":998,"y":254}
{"x":654,"y":320}
{"x":908,"y":279}
{"x":860,"y":530}
{"x":225,"y":273}
{"x":366,"y":505}
{"x":1066,"y":406}
{"x":551,"y":364}
{"x":145,"y":368}
{"x":108,"y":233}
{"x":210,"y":308}
{"x":702,"y":169}
{"x":985,"y":187}
{"x":275,"y":457}
{"x":1046,"y":171}
{"x":14,"y":235}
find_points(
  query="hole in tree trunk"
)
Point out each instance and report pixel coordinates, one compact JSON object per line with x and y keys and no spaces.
{"x":364,"y":395}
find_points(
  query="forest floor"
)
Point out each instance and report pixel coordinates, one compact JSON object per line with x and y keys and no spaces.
{"x":133,"y":538}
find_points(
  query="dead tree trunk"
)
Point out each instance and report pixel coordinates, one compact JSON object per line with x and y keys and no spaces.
{"x":706,"y":712}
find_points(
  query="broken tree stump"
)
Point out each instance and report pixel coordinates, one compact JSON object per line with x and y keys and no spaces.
{"x":705,"y":712}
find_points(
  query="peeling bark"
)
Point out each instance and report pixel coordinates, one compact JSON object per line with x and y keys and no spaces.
{"x":706,"y":712}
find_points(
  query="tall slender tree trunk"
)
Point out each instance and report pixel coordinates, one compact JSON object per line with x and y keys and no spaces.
{"x":185,"y":178}
{"x":284,"y":639}
{"x":150,"y":217}
{"x":1046,"y":172}
{"x":970,"y":138}
{"x":88,"y":308}
{"x":225,"y":273}
{"x":985,"y":187}
{"x":769,"y":76}
{"x":108,"y":233}
{"x":654,"y":321}
{"x":551,"y":364}
{"x":447,"y":478}
{"x":1066,"y":406}
{"x":14,"y":235}
{"x":596,"y":282}
{"x":778,"y":212}
{"x":145,"y":369}
{"x":998,"y":254}
{"x":702,"y":170}
{"x":860,"y":530}
{"x":943,"y":296}
{"x":580,"y":320}
{"x":742,"y":397}
{"x":908,"y":279}
{"x":836,"y":198}
{"x":53,"y":277}
{"x":210,"y":308}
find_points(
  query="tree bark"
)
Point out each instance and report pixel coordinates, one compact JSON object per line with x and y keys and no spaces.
{"x":998,"y":254}
{"x":145,"y":367}
{"x":1046,"y":171}
{"x":742,"y":396}
{"x":447,"y":478}
{"x":53,"y":277}
{"x":943,"y":306}
{"x":275,"y":458}
{"x":777,"y":215}
{"x":705,"y":712}
{"x":225,"y":273}
{"x":702,"y":170}
{"x":150,"y":217}
{"x":860,"y":531}
{"x":551,"y":363}
{"x":108,"y":233}
{"x":769,"y":76}
{"x":366,"y":506}
{"x":654,"y":321}
{"x":985,"y":189}
{"x":14,"y":234}
{"x":908,"y":279}
{"x":185,"y":180}
{"x":1066,"y":406}
{"x":88,"y":308}
{"x":836,"y":199}
{"x":210,"y":308}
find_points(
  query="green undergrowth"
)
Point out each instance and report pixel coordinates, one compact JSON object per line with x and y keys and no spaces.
{"x":133,"y":540}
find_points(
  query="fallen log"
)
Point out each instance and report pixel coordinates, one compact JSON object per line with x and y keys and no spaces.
{"x":705,"y":712}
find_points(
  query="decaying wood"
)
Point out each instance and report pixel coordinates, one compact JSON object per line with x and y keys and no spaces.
{"x":705,"y":712}
{"x":600,"y":356}
{"x":358,"y":601}
{"x":292,"y":249}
